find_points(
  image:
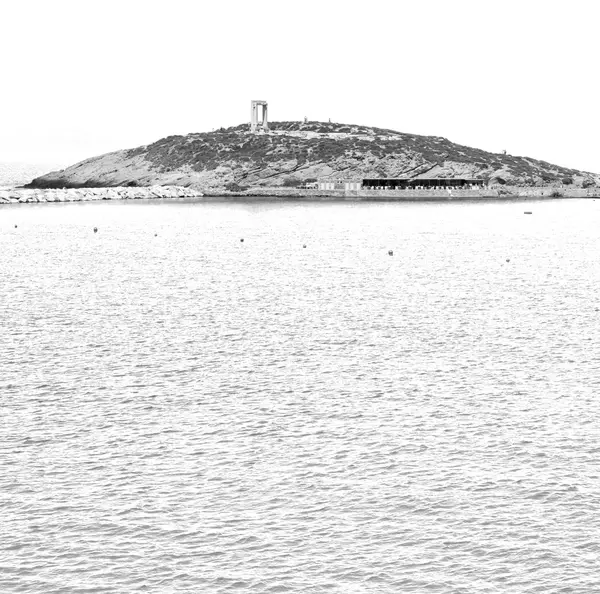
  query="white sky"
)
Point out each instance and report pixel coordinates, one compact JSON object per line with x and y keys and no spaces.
{"x":80,"y":78}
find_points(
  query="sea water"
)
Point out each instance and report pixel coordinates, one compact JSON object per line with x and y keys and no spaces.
{"x":184,"y":411}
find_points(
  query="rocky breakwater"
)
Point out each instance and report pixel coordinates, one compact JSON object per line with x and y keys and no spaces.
{"x":23,"y":195}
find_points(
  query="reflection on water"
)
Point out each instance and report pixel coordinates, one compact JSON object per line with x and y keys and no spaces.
{"x":186,"y":412}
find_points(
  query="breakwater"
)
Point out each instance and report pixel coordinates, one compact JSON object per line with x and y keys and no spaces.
{"x":24,"y":195}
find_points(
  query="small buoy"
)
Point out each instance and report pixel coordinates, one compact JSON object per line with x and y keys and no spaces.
{"x":15,"y":226}
{"x":156,"y":235}
{"x":508,"y":259}
{"x":390,"y":252}
{"x":303,"y":245}
{"x":242,"y":240}
{"x":95,"y":229}
{"x":528,"y":212}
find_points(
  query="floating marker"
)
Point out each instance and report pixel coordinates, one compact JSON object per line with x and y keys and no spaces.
{"x":242,"y":240}
{"x":15,"y":226}
{"x":508,"y":259}
{"x":303,"y":245}
{"x":95,"y":229}
{"x":390,"y":252}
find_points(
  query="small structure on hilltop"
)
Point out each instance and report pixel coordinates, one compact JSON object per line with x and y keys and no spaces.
{"x":255,"y":125}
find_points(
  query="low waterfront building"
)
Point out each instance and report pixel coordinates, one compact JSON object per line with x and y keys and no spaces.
{"x":440,"y":183}
{"x":339,"y":184}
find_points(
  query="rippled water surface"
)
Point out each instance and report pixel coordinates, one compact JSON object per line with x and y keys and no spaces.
{"x":186,"y":412}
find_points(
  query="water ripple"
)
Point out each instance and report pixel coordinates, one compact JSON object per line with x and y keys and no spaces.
{"x":186,"y":413}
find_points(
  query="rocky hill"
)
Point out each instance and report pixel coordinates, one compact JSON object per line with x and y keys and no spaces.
{"x":292,"y":153}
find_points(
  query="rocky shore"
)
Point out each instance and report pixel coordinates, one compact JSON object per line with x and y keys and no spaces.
{"x":23,"y":195}
{"x":383,"y":195}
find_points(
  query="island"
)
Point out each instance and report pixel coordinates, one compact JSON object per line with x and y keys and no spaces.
{"x":307,"y":159}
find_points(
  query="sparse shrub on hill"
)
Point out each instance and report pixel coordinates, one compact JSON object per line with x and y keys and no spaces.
{"x":234,"y":187}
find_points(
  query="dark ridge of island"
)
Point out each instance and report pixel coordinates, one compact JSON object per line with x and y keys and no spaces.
{"x":292,"y":154}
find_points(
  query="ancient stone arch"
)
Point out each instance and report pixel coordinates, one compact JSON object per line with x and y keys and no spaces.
{"x":254,"y":123}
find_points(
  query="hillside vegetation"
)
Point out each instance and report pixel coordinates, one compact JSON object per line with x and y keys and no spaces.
{"x":292,"y":153}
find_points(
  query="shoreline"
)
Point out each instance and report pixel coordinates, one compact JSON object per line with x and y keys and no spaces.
{"x":37,"y":196}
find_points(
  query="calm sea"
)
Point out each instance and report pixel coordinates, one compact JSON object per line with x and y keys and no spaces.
{"x":182,"y":411}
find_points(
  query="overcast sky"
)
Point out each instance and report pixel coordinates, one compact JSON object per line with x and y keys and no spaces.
{"x":81,"y":78}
